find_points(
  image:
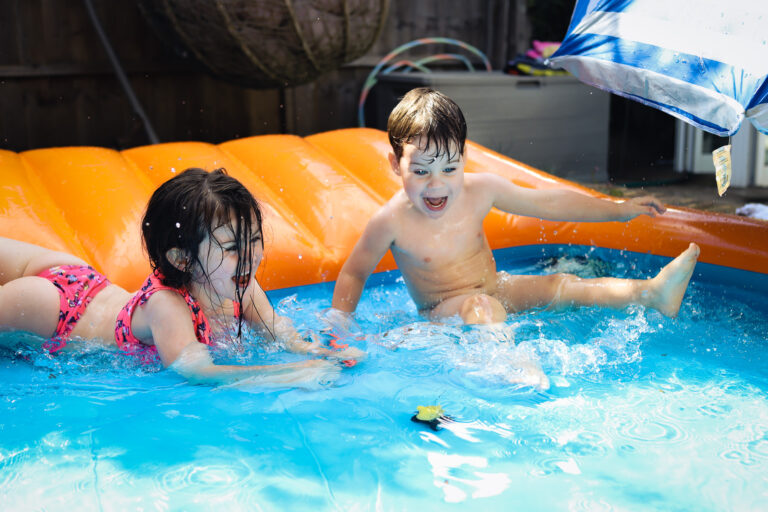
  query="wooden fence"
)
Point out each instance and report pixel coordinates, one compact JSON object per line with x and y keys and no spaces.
{"x":57,"y":87}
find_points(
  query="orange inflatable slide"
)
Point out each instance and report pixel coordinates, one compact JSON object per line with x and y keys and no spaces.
{"x":317,"y":193}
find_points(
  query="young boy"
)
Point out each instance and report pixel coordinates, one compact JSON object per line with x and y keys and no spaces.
{"x":433,"y":227}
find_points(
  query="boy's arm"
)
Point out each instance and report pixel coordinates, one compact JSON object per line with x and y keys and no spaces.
{"x":560,"y":204}
{"x":258,"y":311}
{"x":370,"y":248}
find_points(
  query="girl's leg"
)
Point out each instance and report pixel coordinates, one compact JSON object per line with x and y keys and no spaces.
{"x":29,"y":303}
{"x":664,"y":292}
{"x":20,"y":259}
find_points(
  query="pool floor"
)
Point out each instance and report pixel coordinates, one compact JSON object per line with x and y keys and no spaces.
{"x":644,"y":412}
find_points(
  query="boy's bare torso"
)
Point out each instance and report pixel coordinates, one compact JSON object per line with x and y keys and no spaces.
{"x":444,"y":257}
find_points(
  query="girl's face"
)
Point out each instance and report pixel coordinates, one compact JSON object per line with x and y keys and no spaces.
{"x":217,"y":276}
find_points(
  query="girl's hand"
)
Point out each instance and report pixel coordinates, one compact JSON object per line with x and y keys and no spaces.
{"x":323,"y":372}
{"x":310,"y":374}
{"x":645,"y":205}
{"x":339,"y":355}
{"x":348,"y":353}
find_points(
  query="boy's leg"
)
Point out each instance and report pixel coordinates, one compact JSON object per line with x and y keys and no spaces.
{"x":479,"y":308}
{"x":20,"y":259}
{"x":475,"y":308}
{"x":664,"y":292}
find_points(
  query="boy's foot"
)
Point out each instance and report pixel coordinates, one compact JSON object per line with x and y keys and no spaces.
{"x":668,"y":287}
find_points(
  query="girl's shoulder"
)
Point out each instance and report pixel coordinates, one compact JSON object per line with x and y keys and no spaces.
{"x":164,"y":307}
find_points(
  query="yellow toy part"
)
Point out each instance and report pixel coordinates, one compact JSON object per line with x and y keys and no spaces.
{"x":429,"y":412}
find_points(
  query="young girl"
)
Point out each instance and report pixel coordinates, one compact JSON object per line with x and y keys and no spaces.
{"x":202,"y":232}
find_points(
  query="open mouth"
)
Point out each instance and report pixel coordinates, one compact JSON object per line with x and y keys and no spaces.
{"x":435,"y":203}
{"x":242,"y":281}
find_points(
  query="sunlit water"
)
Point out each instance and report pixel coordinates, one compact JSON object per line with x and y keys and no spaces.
{"x":644,"y":412}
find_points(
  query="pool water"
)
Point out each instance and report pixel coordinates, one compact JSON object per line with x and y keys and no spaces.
{"x":644,"y":412}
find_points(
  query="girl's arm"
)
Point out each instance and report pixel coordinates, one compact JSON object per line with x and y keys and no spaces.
{"x":174,"y":337}
{"x":196,"y":365}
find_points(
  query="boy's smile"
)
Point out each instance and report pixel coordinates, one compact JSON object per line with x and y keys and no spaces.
{"x":431,"y":180}
{"x":436,"y":203}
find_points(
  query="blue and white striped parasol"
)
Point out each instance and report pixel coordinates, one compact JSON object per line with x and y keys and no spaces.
{"x":704,"y":61}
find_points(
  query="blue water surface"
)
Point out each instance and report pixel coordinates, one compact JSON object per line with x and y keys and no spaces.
{"x":644,"y":412}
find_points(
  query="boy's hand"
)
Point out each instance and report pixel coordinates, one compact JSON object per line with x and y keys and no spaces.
{"x":340,"y":322}
{"x":645,"y":205}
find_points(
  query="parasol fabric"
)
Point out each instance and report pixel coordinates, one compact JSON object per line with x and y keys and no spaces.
{"x":703,"y":61}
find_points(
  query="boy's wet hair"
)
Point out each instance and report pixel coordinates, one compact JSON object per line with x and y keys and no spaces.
{"x":427,"y":113}
{"x":186,"y":209}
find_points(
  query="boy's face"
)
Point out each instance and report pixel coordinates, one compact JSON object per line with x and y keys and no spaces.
{"x":432,"y":182}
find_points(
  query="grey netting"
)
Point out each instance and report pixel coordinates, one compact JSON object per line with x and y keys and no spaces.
{"x":268,"y":43}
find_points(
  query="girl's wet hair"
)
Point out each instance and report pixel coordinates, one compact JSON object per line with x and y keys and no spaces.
{"x":425,"y":112}
{"x":186,"y":209}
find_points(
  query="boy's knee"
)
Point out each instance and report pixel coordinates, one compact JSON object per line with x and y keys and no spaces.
{"x":482,"y":309}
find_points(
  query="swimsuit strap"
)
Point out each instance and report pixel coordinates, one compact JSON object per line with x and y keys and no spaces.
{"x":238,"y":309}
{"x":124,"y":334}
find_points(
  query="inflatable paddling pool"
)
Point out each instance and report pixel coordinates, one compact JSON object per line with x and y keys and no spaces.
{"x":644,"y":412}
{"x":317,"y":193}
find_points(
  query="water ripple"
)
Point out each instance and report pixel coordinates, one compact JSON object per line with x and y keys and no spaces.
{"x":652,"y":431}
{"x":204,"y":478}
{"x":10,"y":464}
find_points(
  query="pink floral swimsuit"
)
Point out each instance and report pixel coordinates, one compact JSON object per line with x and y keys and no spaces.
{"x":124,"y":335}
{"x":77,"y":286}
